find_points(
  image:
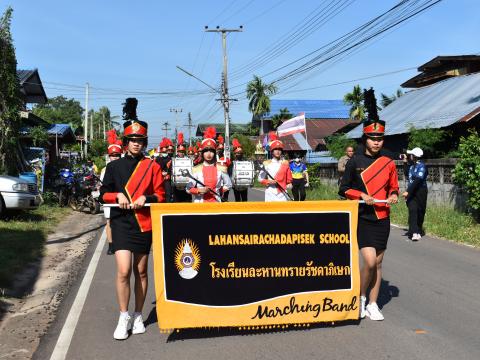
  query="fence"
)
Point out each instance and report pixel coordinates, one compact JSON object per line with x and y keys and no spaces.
{"x":441,"y":189}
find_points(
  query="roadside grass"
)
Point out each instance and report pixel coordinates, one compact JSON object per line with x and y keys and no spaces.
{"x":22,"y":238}
{"x":440,"y":221}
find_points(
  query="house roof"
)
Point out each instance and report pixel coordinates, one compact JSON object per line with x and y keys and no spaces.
{"x":439,"y":105}
{"x":313,"y":109}
{"x":234,"y":128}
{"x":62,"y":131}
{"x":31,"y":87}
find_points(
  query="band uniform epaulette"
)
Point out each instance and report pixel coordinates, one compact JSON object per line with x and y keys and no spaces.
{"x":222,"y":168}
{"x":197,"y":168}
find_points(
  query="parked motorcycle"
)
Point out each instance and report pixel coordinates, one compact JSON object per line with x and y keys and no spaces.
{"x":85,"y":193}
{"x":64,"y":184}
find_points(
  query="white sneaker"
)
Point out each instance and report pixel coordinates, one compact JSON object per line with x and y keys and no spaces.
{"x":124,"y":324}
{"x":138,"y":326}
{"x":416,"y":237}
{"x":373,"y":312}
{"x":363,"y":300}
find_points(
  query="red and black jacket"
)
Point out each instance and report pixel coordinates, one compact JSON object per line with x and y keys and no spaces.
{"x":134,"y":177}
{"x":372,"y":175}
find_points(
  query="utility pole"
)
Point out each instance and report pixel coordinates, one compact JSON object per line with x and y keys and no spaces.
{"x":190,"y":126}
{"x":91,"y":126}
{"x":85,"y":123}
{"x":166,"y":128}
{"x":104,"y":134}
{"x":225,"y":98}
{"x":176,"y":111}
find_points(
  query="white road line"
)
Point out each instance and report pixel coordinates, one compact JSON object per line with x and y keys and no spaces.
{"x":65,"y":338}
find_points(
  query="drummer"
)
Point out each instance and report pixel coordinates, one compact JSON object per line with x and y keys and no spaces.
{"x":209,"y":181}
{"x":179,"y":194}
{"x":241,"y":195}
{"x":222,"y":162}
{"x":165,"y":162}
{"x":276,"y":174}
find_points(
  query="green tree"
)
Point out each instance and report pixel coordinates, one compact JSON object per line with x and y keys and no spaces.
{"x":277,"y":119}
{"x":355,"y":100}
{"x":467,"y":170}
{"x":10,"y":99}
{"x":39,"y":136}
{"x":337,"y":143}
{"x":427,"y":139}
{"x":258,"y":94}
{"x":60,"y":110}
{"x":387,"y":100}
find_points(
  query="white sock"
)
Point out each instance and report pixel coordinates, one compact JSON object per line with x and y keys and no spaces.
{"x":135,"y":314}
{"x":124,"y":314}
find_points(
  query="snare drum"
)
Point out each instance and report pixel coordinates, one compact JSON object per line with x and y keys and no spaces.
{"x":243,"y":174}
{"x":179,"y":164}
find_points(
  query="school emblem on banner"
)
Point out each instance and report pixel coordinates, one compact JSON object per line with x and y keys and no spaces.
{"x":187,"y":259}
{"x":259,"y":264}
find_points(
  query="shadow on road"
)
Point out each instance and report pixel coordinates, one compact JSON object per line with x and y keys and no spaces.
{"x":387,"y":292}
{"x":67,"y":239}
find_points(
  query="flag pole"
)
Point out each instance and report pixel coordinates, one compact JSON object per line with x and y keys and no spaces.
{"x":306,"y":136}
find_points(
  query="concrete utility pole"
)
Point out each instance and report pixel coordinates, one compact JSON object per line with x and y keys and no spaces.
{"x":176,"y":111}
{"x":166,"y":128}
{"x":91,"y":126}
{"x":85,"y":123}
{"x":190,"y":126}
{"x":225,"y":98}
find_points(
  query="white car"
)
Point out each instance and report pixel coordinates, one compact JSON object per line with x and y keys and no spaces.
{"x":16,"y":193}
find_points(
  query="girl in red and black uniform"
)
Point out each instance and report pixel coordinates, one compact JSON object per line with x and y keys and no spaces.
{"x":131,"y":182}
{"x":371,"y":176}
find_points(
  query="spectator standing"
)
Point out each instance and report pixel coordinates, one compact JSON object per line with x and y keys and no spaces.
{"x":300,"y":179}
{"x":416,"y":193}
{"x":342,"y":162}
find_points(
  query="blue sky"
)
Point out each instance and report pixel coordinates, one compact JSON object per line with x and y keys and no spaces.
{"x":123,"y":46}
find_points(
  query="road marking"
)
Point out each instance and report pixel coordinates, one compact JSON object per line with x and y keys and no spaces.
{"x":65,"y":338}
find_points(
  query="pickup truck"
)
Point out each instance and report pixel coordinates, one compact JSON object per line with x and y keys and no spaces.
{"x":16,"y":193}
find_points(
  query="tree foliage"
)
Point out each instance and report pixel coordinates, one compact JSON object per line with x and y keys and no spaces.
{"x":60,"y":110}
{"x":355,"y":100}
{"x":277,"y":119}
{"x":427,"y":139}
{"x":467,"y":170}
{"x":337,"y":144}
{"x":387,"y":100}
{"x":10,"y":99}
{"x":39,"y":136}
{"x":258,"y":94}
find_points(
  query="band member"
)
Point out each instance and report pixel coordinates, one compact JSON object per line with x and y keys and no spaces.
{"x":275,"y":174}
{"x":191,"y":152}
{"x":165,"y":162}
{"x":114,"y":151}
{"x":222,"y":161}
{"x":131,"y":182}
{"x":214,"y":178}
{"x":240,"y":195}
{"x":370,"y":176}
{"x":197,"y":158}
{"x":179,"y":195}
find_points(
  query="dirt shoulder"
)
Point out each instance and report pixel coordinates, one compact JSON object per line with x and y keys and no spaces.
{"x":30,"y":306}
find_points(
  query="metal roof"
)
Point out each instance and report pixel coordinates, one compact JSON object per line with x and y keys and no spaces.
{"x":31,"y":86}
{"x":313,"y":109}
{"x":435,"y":106}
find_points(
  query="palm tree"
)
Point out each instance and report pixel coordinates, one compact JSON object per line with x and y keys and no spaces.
{"x":355,"y":100}
{"x":387,"y":100}
{"x":259,"y":94}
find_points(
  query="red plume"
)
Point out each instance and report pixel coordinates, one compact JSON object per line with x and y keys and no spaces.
{"x":210,"y":133}
{"x":272,"y":135}
{"x":236,"y":143}
{"x":220,"y":139}
{"x":180,"y":138}
{"x":111,"y":136}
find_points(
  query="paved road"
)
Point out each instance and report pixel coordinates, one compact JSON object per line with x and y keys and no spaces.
{"x":430,"y":298}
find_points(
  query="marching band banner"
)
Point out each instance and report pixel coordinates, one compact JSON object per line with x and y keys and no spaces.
{"x":255,"y":264}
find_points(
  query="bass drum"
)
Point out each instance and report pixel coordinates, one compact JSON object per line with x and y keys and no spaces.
{"x":179,"y":164}
{"x":243,"y":174}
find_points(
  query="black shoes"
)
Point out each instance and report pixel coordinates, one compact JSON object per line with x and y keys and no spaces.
{"x":110,"y":249}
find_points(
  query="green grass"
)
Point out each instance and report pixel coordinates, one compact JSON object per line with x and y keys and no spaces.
{"x":440,"y":221}
{"x":23,"y":236}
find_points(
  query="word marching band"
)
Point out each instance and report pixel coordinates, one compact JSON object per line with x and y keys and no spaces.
{"x":205,"y":173}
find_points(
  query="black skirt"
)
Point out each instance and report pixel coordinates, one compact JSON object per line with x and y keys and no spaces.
{"x":136,"y":242}
{"x":373,"y":233}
